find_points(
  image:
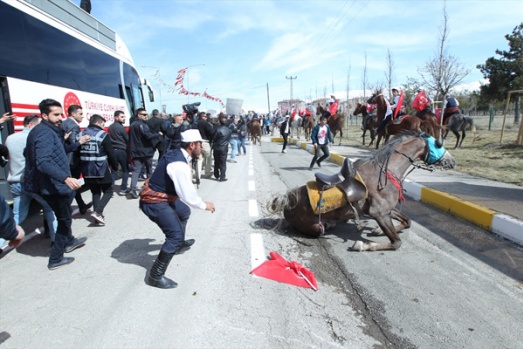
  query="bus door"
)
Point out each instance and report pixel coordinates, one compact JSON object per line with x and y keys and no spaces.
{"x":7,"y":129}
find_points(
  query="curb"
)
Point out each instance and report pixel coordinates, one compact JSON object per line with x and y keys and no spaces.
{"x":495,"y":222}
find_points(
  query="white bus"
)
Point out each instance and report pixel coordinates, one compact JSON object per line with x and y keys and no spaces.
{"x":54,"y":49}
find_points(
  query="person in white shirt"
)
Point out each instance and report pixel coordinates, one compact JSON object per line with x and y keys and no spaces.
{"x":321,"y":137}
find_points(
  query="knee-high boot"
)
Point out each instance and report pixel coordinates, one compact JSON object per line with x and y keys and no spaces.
{"x":156,"y":275}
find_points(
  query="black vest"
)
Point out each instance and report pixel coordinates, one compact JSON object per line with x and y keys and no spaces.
{"x":93,"y":158}
{"x":160,"y":180}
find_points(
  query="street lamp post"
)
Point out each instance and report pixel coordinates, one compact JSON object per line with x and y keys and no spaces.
{"x":291,"y":78}
{"x":159,"y":83}
{"x":187,"y":75}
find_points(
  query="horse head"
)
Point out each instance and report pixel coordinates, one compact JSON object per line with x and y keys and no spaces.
{"x":360,"y":109}
{"x":372,"y":99}
{"x":436,"y":154}
{"x":319,"y":110}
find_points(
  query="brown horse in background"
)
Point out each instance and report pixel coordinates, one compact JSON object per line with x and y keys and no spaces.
{"x":307,"y":124}
{"x":406,"y":123}
{"x":335,"y":122}
{"x":369,"y":125}
{"x":382,"y":173}
{"x":429,"y":123}
{"x":254,"y":129}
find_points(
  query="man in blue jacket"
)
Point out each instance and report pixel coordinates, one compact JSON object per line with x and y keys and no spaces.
{"x":47,"y":173}
{"x":321,"y":137}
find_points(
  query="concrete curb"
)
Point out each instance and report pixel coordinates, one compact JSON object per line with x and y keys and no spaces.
{"x":495,"y":222}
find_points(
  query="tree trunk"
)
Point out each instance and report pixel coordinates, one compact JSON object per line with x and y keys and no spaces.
{"x":517,"y":110}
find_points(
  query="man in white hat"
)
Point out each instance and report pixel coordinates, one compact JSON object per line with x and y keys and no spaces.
{"x":166,"y":198}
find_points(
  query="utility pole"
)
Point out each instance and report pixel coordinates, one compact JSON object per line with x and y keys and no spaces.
{"x":268,"y":102}
{"x":291,"y":78}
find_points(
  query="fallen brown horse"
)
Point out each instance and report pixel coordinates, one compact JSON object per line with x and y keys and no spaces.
{"x":335,"y":122}
{"x":382,"y":175}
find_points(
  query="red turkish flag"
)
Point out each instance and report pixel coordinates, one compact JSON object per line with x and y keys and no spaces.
{"x":293,"y":273}
{"x":398,"y":107}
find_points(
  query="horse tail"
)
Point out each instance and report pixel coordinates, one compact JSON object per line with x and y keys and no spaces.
{"x":472,"y":124}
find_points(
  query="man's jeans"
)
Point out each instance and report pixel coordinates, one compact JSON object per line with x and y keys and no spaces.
{"x":234,"y":145}
{"x":22,"y":202}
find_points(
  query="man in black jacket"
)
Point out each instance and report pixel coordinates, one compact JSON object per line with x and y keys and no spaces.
{"x":156,"y":124}
{"x":71,"y":126}
{"x":47,"y":173}
{"x":220,"y":145}
{"x":120,"y":142}
{"x":207,"y":132}
{"x":96,"y":158}
{"x":142,"y":142}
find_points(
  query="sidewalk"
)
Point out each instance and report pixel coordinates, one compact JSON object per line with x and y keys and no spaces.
{"x":494,"y":206}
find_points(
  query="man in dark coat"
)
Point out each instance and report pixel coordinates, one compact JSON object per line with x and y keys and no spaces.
{"x":120,"y":142}
{"x":47,"y":173}
{"x":220,"y":146}
{"x":156,"y":124}
{"x":284,"y":131}
{"x":142,"y":142}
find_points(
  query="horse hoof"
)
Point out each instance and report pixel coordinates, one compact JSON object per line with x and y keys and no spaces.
{"x":358,"y":246}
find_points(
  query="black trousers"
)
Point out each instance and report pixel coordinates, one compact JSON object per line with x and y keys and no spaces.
{"x":285,"y":140}
{"x":123,"y":160}
{"x":61,"y":206}
{"x":220,"y":163}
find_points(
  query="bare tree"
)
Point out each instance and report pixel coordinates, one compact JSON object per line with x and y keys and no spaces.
{"x":444,"y":71}
{"x":348,"y":85}
{"x":389,"y":73}
{"x":364,"y":80}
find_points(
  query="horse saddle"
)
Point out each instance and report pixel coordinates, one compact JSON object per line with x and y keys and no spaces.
{"x":338,"y":189}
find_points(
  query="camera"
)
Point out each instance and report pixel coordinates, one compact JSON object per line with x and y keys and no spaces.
{"x":191,"y":108}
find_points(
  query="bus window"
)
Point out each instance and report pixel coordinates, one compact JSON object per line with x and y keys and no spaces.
{"x":137,"y":96}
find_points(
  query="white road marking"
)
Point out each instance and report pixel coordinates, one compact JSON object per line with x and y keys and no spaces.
{"x":253,"y":208}
{"x":251,"y":186}
{"x":257,"y":250}
{"x":251,"y":172}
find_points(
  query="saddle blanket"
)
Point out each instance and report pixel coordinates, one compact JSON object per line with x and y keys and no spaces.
{"x":332,"y":199}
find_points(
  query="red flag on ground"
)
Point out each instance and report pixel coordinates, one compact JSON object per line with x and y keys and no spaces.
{"x":293,"y":273}
{"x":398,"y":107}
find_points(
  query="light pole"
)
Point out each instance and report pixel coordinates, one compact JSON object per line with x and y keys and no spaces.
{"x":291,"y":78}
{"x":160,"y":82}
{"x":187,"y":74}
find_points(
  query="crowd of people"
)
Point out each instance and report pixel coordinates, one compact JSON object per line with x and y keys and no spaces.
{"x":55,"y":161}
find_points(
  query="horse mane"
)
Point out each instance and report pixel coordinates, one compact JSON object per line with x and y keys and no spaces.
{"x":381,"y":156}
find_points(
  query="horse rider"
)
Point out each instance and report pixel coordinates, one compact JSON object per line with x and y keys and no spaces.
{"x":422,"y":104}
{"x":387,"y":117}
{"x":371,"y":113}
{"x":451,"y":107}
{"x":395,"y":102}
{"x":332,"y":107}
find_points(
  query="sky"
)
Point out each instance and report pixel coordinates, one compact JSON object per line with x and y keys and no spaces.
{"x":242,"y":49}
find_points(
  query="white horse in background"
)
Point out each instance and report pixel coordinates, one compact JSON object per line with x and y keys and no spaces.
{"x":296,"y":126}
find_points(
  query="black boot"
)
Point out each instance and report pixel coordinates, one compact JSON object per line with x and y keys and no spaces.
{"x":158,"y":269}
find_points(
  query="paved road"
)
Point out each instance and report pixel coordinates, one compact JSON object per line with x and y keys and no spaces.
{"x":450,"y":285}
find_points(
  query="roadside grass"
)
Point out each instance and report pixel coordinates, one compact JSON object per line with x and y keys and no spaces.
{"x":483,"y":155}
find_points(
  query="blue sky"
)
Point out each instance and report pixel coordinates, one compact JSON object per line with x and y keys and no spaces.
{"x":245,"y":45}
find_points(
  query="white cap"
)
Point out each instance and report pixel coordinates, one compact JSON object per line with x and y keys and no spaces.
{"x":191,"y":136}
